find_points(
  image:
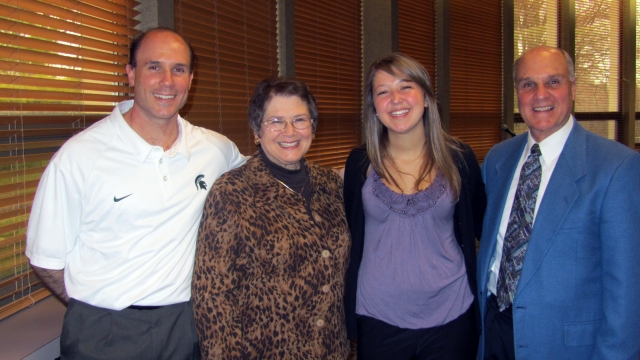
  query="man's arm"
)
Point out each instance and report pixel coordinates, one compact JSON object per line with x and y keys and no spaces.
{"x":339,"y":171}
{"x":620,"y":237}
{"x":54,"y":281}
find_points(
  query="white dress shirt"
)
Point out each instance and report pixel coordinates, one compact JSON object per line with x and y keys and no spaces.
{"x":550,"y":148}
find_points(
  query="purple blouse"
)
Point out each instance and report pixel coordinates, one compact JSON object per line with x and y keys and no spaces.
{"x":412,"y":273}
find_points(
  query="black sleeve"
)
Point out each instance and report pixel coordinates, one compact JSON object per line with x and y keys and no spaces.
{"x":476,"y":191}
{"x":354,"y":178}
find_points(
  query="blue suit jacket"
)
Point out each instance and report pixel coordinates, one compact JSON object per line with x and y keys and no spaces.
{"x":579,"y":292}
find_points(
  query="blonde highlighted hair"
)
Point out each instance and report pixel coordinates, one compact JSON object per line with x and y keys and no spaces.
{"x":440,"y":147}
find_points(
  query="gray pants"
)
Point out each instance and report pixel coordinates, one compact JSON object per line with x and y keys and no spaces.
{"x":90,"y":332}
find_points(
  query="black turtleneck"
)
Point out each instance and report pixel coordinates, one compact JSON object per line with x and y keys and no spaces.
{"x":297,"y":180}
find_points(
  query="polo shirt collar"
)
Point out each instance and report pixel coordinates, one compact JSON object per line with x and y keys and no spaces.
{"x":136,"y":143}
{"x":181,"y":146}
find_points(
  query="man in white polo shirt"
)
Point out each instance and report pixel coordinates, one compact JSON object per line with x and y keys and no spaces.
{"x":115,"y":217}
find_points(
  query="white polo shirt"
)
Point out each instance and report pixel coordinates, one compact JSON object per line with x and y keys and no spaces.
{"x":121,"y":216}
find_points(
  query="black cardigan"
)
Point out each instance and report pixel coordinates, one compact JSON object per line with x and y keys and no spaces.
{"x":468,"y":215}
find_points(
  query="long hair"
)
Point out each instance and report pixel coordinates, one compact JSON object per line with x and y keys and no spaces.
{"x":439,"y":146}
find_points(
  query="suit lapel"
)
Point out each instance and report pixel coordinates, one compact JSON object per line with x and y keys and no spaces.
{"x":558,"y":199}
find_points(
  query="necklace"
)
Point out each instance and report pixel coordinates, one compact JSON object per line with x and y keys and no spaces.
{"x":410,"y":187}
{"x":417,"y":191}
{"x":290,"y":189}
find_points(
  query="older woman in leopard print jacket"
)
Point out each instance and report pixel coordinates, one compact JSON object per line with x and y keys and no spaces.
{"x":273,"y":244}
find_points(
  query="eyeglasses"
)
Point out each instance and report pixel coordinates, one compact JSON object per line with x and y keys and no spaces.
{"x":299,"y":123}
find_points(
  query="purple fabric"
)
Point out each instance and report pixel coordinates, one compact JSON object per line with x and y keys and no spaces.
{"x":412,"y":273}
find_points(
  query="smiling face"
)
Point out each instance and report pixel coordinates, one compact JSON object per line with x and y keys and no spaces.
{"x":545,"y":91}
{"x":399,"y":102}
{"x":288,"y":146}
{"x":161,"y":77}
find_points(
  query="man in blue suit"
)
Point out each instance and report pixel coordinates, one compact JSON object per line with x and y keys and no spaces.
{"x":570,"y":286}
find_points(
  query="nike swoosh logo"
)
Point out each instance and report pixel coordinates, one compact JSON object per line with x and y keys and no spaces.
{"x":115,"y":199}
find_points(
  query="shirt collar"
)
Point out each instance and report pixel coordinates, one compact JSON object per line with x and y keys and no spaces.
{"x":137,"y":144}
{"x":551,"y":147}
{"x":181,"y":145}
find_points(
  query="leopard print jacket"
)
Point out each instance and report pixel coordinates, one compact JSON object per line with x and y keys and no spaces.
{"x":269,"y":279}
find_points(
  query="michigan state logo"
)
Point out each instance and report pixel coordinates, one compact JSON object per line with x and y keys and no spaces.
{"x":200,"y":184}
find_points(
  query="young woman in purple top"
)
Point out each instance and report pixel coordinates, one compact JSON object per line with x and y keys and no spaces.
{"x":414,"y":200}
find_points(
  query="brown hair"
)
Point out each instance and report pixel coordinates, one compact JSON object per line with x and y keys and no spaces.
{"x":439,"y":146}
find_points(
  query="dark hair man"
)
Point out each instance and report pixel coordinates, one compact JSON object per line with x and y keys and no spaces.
{"x":115,"y":218}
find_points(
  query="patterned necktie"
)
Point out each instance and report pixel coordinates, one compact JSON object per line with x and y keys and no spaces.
{"x":519,"y":228}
